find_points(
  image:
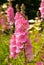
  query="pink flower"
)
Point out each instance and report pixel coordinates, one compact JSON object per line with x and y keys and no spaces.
{"x":17,"y":16}
{"x":21,"y":25}
{"x":20,"y":37}
{"x":36,"y":39}
{"x":10,"y":15}
{"x":42,"y":9}
{"x":39,"y":63}
{"x":2,"y":22}
{"x":12,"y":46}
{"x":42,"y":0}
{"x":29,"y":50}
{"x":20,"y":45}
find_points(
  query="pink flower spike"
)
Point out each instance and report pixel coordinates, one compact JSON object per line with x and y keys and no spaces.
{"x":42,"y":9}
{"x":39,"y":63}
{"x":10,"y":15}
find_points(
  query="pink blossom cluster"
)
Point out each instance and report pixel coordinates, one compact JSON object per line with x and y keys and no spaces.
{"x":42,"y":9}
{"x":39,"y":63}
{"x":20,"y":37}
{"x":10,"y":15}
{"x":36,"y":39}
{"x":2,"y":21}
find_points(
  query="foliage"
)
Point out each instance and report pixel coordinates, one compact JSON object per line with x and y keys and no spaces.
{"x":4,"y":49}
